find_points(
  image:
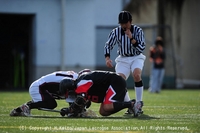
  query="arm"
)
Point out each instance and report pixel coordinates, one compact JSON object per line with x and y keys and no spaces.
{"x":108,"y":47}
{"x":81,"y":101}
{"x":110,"y":43}
{"x":137,"y":38}
{"x":151,"y":54}
{"x":140,"y":41}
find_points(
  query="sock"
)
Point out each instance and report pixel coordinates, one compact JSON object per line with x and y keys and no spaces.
{"x":139,"y":90}
{"x":126,"y":98}
{"x":121,"y":105}
{"x":50,"y":104}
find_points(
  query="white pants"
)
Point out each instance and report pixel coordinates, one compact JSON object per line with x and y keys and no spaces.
{"x":127,"y":65}
{"x":34,"y":92}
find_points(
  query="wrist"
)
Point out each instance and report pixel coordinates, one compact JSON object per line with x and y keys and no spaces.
{"x":107,"y":58}
{"x":133,"y":41}
{"x":131,"y":38}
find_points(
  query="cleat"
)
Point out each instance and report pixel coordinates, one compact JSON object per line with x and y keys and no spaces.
{"x":138,"y":108}
{"x":15,"y":113}
{"x":130,"y":111}
{"x":25,"y":110}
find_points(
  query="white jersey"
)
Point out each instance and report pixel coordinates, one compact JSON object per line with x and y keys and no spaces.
{"x":49,"y":83}
{"x":56,"y":77}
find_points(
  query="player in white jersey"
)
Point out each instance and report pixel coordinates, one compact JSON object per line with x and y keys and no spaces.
{"x":44,"y":92}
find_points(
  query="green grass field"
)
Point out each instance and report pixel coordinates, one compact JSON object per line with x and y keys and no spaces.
{"x":170,"y":111}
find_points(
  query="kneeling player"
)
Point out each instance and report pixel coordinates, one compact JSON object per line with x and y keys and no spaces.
{"x":44,"y":92}
{"x":103,"y":87}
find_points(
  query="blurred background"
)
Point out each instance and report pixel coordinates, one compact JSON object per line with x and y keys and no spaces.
{"x":38,"y":37}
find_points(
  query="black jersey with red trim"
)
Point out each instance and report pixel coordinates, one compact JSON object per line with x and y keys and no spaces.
{"x":96,"y":83}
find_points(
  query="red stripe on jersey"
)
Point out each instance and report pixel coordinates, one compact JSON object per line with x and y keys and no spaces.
{"x":83,"y":86}
{"x":108,"y":97}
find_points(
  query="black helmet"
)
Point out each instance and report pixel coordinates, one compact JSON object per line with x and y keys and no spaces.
{"x":67,"y":85}
{"x":124,"y":17}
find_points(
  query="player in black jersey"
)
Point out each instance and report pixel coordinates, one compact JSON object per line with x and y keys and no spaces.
{"x":107,"y":88}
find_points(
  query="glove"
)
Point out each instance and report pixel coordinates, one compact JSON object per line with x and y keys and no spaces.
{"x":78,"y":105}
{"x":64,"y":111}
{"x":75,"y":108}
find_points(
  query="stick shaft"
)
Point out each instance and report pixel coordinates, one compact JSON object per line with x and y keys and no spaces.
{"x":50,"y":110}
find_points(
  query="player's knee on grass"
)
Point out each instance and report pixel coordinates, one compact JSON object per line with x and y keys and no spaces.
{"x":106,"y":109}
{"x":103,"y":112}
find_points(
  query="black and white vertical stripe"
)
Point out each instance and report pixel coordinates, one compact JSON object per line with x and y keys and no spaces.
{"x":125,"y":48}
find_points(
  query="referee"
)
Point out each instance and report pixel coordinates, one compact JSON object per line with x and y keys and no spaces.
{"x":131,"y":44}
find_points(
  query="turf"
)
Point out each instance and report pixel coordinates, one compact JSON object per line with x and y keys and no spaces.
{"x":170,"y":111}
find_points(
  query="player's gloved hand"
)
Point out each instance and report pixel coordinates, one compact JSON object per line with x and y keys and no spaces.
{"x":64,"y":111}
{"x":78,"y":105}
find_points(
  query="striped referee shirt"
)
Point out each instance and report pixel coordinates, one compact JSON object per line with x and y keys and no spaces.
{"x":125,"y":48}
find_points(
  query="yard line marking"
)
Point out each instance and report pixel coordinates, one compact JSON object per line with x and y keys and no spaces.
{"x":8,"y":127}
